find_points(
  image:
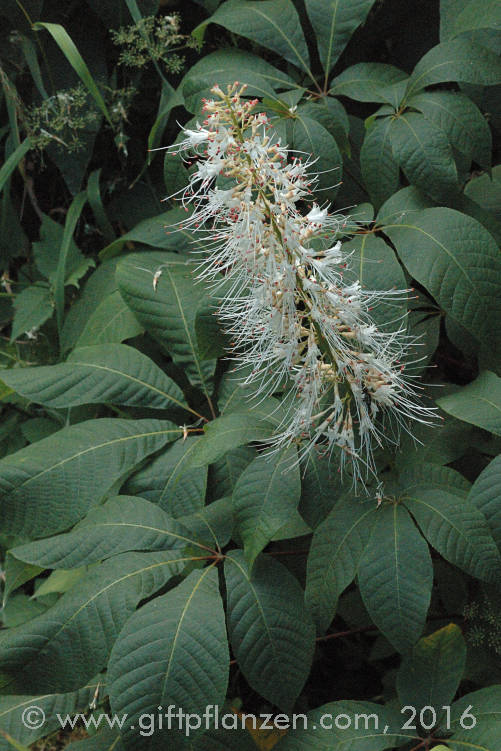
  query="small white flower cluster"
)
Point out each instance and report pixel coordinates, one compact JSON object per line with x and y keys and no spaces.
{"x":293,"y":322}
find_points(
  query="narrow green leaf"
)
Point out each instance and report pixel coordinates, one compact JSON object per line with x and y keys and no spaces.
{"x":337,"y":546}
{"x":437,"y":498}
{"x":478,"y":403}
{"x":430,"y":675}
{"x":458,"y":263}
{"x":111,"y":373}
{"x":172,"y":652}
{"x":70,"y":51}
{"x":270,"y":631}
{"x":265,"y":495}
{"x":70,"y":224}
{"x":62,"y":648}
{"x":334,"y":22}
{"x":12,"y":161}
{"x":96,"y":204}
{"x":423,"y":152}
{"x":51,"y":484}
{"x":396,"y":576}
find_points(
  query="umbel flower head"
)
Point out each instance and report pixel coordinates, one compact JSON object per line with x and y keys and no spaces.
{"x":294,"y":323}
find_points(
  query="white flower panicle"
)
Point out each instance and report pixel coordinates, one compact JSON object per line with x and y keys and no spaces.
{"x":294,"y":323}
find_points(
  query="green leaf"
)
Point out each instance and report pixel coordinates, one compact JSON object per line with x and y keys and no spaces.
{"x":68,"y":48}
{"x":403,"y":205}
{"x":197,"y":88}
{"x":430,"y":675}
{"x":12,"y":708}
{"x":335,"y":727}
{"x":124,"y":523}
{"x":17,"y":573}
{"x":458,"y":263}
{"x":476,"y":721}
{"x":51,"y":484}
{"x":486,"y":191}
{"x":72,"y":217}
{"x":485,"y":494}
{"x":212,"y":524}
{"x":270,"y":631}
{"x":12,"y":161}
{"x":460,"y":119}
{"x":173,"y":651}
{"x":32,"y":308}
{"x":423,"y":152}
{"x":310,"y":136}
{"x":478,"y":403}
{"x":265,"y":495}
{"x":367,"y":82}
{"x":97,"y":206}
{"x":170,"y":480}
{"x":478,"y":14}
{"x":332,"y":115}
{"x":272,"y":23}
{"x":337,"y":546}
{"x":456,"y":60}
{"x":376,"y":267}
{"x":227,"y":470}
{"x":334,"y":23}
{"x":396,"y":576}
{"x":111,"y":373}
{"x":65,"y":646}
{"x":227,"y":433}
{"x":321,"y":488}
{"x":379,"y":168}
{"x":168,"y":312}
{"x":437,"y":498}
{"x":51,"y":236}
{"x":110,"y":322}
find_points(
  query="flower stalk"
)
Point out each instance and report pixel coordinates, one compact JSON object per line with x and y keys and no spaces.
{"x":294,"y":323}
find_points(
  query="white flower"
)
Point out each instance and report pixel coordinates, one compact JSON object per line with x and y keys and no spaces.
{"x":293,"y":322}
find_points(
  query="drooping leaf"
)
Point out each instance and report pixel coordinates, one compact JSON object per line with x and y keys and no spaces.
{"x":272,"y":23}
{"x":423,"y":152}
{"x":270,"y":630}
{"x":458,"y":263}
{"x":430,"y":674}
{"x":334,"y":22}
{"x":437,"y":498}
{"x":111,"y":373}
{"x":122,"y":524}
{"x":478,"y":403}
{"x":265,"y":495}
{"x":51,"y":484}
{"x":337,"y":546}
{"x":379,"y":168}
{"x":62,"y":648}
{"x":172,"y":652}
{"x":395,"y":577}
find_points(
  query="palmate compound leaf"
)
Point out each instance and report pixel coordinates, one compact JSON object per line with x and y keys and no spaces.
{"x":69,"y":643}
{"x":168,"y":309}
{"x":334,"y":22}
{"x":12,"y":708}
{"x":457,"y":261}
{"x":109,"y":373}
{"x":337,"y":546}
{"x":430,"y":674}
{"x":437,"y":497}
{"x":51,"y":484}
{"x":395,"y":577}
{"x":270,"y":630}
{"x":122,"y":524}
{"x":346,"y":726}
{"x":172,"y":651}
{"x":265,"y":497}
